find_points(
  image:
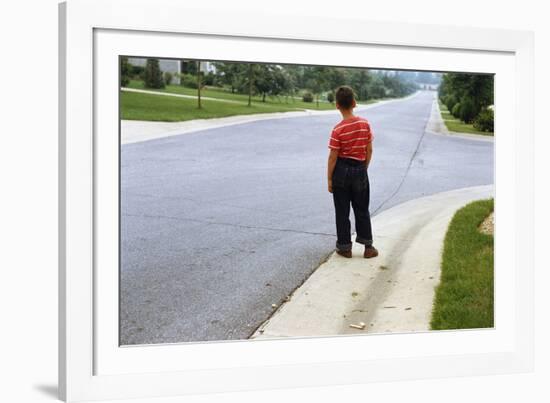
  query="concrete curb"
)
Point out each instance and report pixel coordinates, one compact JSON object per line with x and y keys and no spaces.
{"x":134,"y":131}
{"x":391,"y":293}
{"x":436,"y":124}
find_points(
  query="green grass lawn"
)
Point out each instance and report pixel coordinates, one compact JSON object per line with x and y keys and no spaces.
{"x":154,"y":107}
{"x":214,"y":92}
{"x":456,"y":125}
{"x":464,"y":297}
{"x":139,"y":106}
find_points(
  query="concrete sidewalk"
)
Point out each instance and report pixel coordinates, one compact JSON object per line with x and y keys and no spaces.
{"x":133,"y":131}
{"x":391,"y":293}
{"x":171,"y":94}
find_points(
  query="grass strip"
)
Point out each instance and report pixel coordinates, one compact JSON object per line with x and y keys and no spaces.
{"x":465,"y":296}
{"x":139,"y":106}
{"x":456,"y":125}
{"x":220,"y":93}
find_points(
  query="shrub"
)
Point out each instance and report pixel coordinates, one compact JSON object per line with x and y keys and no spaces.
{"x":138,"y":72}
{"x":485,"y":121}
{"x":168,"y":78}
{"x":209,"y":79}
{"x":467,"y":110}
{"x":455,"y":111}
{"x":450,"y":101}
{"x":307,"y":97}
{"x":189,"y":81}
{"x":330,"y":97}
{"x":153,"y":75}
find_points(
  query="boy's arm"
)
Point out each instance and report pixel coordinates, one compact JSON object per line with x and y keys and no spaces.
{"x":369,"y":153}
{"x":332,"y":158}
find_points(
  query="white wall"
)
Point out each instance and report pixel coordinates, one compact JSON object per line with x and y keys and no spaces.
{"x":28,"y":213}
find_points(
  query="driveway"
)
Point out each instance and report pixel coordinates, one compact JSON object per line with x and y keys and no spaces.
{"x":219,"y":225}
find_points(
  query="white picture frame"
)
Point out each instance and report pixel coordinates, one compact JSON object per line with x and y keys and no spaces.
{"x":93,"y":366}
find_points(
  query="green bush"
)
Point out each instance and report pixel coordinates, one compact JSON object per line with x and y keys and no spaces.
{"x":485,"y":121}
{"x":153,"y":75}
{"x":189,"y":81}
{"x":450,"y":101}
{"x":307,"y":97}
{"x":138,"y":72}
{"x":455,"y":111}
{"x":209,"y":79}
{"x":330,"y":97}
{"x":467,"y":110}
{"x":168,"y":78}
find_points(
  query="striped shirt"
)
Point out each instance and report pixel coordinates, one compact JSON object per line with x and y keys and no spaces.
{"x":350,"y":137}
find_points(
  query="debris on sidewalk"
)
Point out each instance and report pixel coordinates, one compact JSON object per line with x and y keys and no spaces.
{"x":360,"y":326}
{"x":389,"y":307}
{"x":274,"y":306}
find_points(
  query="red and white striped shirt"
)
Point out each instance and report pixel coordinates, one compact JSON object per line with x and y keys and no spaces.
{"x":350,"y":137}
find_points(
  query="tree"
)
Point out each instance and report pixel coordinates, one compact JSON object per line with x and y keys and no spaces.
{"x":473,"y":91}
{"x":125,"y":71}
{"x":199,"y":84}
{"x":250,"y":82}
{"x":335,"y":77}
{"x":264,"y":79}
{"x":232,"y":74}
{"x":376,"y":88}
{"x":153,"y":75}
{"x":317,"y":80}
{"x":288,"y":84}
{"x":468,"y":110}
{"x":361,"y":81}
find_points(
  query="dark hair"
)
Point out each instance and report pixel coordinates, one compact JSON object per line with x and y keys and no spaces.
{"x":344,"y":97}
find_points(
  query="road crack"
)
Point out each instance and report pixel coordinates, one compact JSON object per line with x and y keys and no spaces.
{"x":228,"y":224}
{"x":413,"y":156}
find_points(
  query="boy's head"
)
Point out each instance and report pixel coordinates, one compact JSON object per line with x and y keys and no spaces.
{"x":345,"y":100}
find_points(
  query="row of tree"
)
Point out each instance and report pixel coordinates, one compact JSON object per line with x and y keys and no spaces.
{"x":311,"y":83}
{"x":469,"y":97}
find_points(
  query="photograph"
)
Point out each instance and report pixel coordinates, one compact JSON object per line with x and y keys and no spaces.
{"x":264,"y":200}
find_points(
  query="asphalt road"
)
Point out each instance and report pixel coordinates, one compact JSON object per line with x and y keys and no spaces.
{"x":218,"y":225}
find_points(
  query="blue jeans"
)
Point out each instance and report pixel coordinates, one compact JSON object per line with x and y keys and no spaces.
{"x":350,"y":187}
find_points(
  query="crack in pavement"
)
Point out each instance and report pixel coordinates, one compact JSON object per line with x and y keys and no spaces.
{"x":413,"y":156}
{"x":229,"y":224}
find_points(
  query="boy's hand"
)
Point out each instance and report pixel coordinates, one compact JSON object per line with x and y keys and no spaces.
{"x":332,"y":158}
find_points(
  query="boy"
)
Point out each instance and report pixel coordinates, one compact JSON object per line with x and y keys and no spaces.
{"x":350,"y":154}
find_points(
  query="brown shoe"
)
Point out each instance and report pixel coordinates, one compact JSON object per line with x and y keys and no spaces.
{"x":370,"y":251}
{"x":344,"y":253}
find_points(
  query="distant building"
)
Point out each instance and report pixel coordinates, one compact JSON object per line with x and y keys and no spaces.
{"x":174,"y":66}
{"x":166,"y":65}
